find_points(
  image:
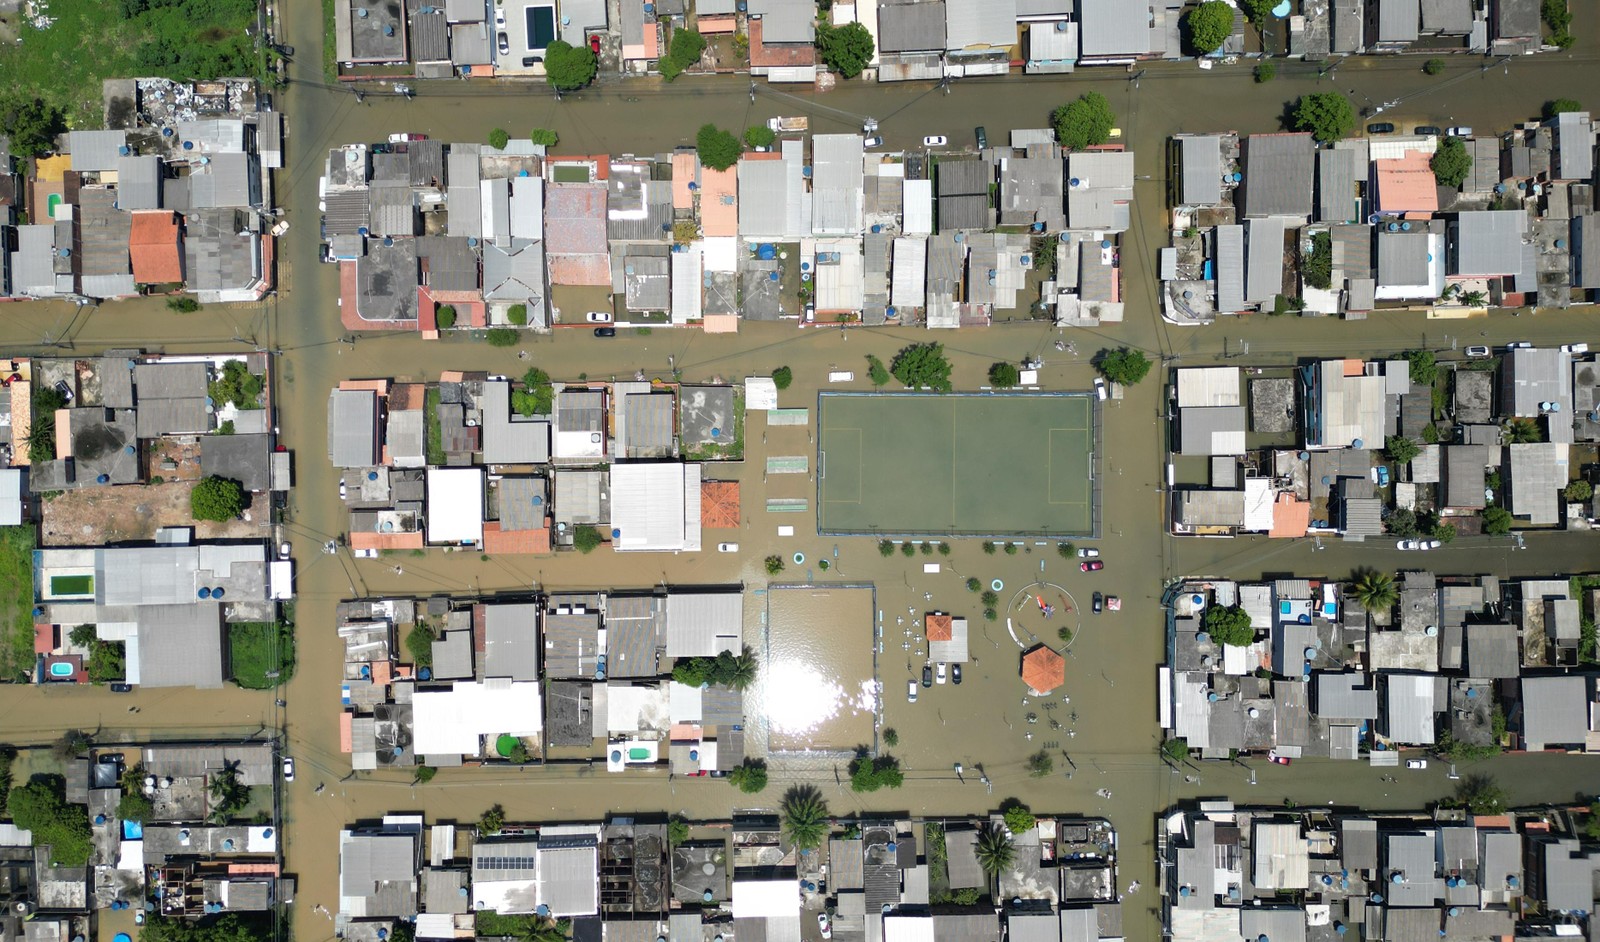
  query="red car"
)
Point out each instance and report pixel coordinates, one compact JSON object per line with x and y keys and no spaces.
{"x":1278,"y":760}
{"x":1091,"y":565}
{"x":594,"y":44}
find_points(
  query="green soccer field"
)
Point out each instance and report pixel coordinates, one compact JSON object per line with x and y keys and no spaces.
{"x":970,"y":464}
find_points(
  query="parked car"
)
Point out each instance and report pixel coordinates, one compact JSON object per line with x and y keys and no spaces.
{"x":1478,"y":353}
{"x":499,"y":18}
{"x":955,"y":674}
{"x":64,"y":390}
{"x":285,"y":549}
{"x":598,"y":317}
{"x":1407,"y":545}
{"x":911,"y":691}
{"x":284,"y":50}
{"x":120,"y":687}
{"x":1101,"y":390}
{"x":594,"y":43}
{"x":982,"y":136}
{"x":1459,"y":131}
{"x":1276,"y":759}
{"x":935,"y":140}
{"x":605,"y":331}
{"x":873,"y":141}
{"x":942,"y":675}
{"x":1429,"y":544}
{"x":1519,"y":345}
{"x":344,"y":489}
{"x":504,"y":43}
{"x":824,"y":926}
{"x":405,"y":137}
{"x":1088,"y":552}
{"x":1429,"y":129}
{"x":927,"y":675}
{"x":1380,"y":127}
{"x":1416,"y":763}
{"x":528,"y":61}
{"x":1574,"y":348}
{"x":288,"y":769}
{"x":1380,"y":475}
{"x":727,"y":547}
{"x":1099,"y":603}
{"x":1093,"y":565}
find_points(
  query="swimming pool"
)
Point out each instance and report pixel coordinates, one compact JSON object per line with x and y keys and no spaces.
{"x":62,"y":669}
{"x":541,"y":23}
{"x":52,"y":203}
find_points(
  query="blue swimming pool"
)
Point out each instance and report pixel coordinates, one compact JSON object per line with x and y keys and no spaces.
{"x":62,"y":669}
{"x":541,"y":27}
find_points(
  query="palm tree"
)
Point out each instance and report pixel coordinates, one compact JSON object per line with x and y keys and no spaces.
{"x":742,"y":672}
{"x":805,"y":817}
{"x":1522,"y":431}
{"x":994,"y":850}
{"x":548,"y":931}
{"x":1374,"y":590}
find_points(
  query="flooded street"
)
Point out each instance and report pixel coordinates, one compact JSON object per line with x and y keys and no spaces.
{"x":1100,"y":728}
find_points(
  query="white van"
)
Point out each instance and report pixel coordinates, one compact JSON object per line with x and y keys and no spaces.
{"x":841,"y":376}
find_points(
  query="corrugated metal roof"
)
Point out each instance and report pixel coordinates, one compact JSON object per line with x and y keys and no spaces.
{"x":1278,"y":173}
{"x":1114,"y":28}
{"x":1397,"y":20}
{"x":1538,"y":472}
{"x":1409,"y":710}
{"x":837,"y":184}
{"x":911,"y":27}
{"x":910,"y":286}
{"x":1230,"y":268}
{"x":1574,"y":156}
{"x":509,"y":439}
{"x":917,"y":207}
{"x":95,"y":150}
{"x":1202,"y":168}
{"x":352,"y":428}
{"x":686,"y":285}
{"x":138,"y":183}
{"x":1346,"y":696}
{"x":704,"y":624}
{"x":511,"y":641}
{"x":1336,"y":186}
{"x":1264,"y":270}
{"x":1489,"y":242}
{"x":1402,"y":259}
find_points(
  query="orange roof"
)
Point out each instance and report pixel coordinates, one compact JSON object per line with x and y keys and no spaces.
{"x":719,"y":505}
{"x":381,"y":673}
{"x":382,"y":541}
{"x":1043,"y":669}
{"x":496,"y":540}
{"x":939,"y":627}
{"x":720,"y":324}
{"x":1353,"y":367}
{"x":379,"y":386}
{"x":21,"y":419}
{"x":153,"y":245}
{"x":764,"y":55}
{"x":714,"y":25}
{"x":1290,"y":517}
{"x":44,"y":639}
{"x":246,"y":868}
{"x":719,"y":202}
{"x":1406,"y":184}
{"x":407,"y":396}
{"x":346,"y":735}
{"x":685,"y":170}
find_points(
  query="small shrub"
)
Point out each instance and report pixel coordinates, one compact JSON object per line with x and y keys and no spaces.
{"x":1066,"y":550}
{"x":501,"y":337}
{"x":1265,"y":71}
{"x":891,"y":738}
{"x":990,"y":614}
{"x":517,"y":314}
{"x":973,"y":584}
{"x":445,"y":316}
{"x":927,"y":549}
{"x":1011,"y":549}
{"x":885,"y":548}
{"x":989,"y":547}
{"x":782,"y":377}
{"x":183,"y":305}
{"x":876,"y":371}
{"x":498,"y":138}
{"x":1433,"y":66}
{"x":989,"y":598}
{"x":908,"y":549}
{"x":944,"y":549}
{"x":585,"y":539}
{"x":774,"y":565}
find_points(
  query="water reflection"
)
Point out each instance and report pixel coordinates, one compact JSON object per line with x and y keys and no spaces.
{"x":817,"y":686}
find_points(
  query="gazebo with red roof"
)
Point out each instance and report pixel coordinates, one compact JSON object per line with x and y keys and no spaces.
{"x":1043,"y":670}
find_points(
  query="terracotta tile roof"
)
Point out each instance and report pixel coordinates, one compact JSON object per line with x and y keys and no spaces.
{"x":1043,"y":669}
{"x":685,"y":170}
{"x":938,"y":627}
{"x":496,"y":540}
{"x":719,"y":202}
{"x":154,"y":247}
{"x":44,"y":639}
{"x":719,"y":505}
{"x":1406,"y":184}
{"x":382,"y":541}
{"x":1290,"y":518}
{"x":378,"y":386}
{"x":406,"y":396}
{"x":346,"y":735}
{"x":779,"y":55}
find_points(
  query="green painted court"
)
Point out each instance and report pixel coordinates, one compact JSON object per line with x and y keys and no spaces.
{"x":1016,"y":464}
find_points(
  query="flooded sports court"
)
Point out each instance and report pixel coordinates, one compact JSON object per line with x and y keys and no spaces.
{"x":932,"y":464}
{"x":818,"y":686}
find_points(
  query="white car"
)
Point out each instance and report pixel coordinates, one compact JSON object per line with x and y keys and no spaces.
{"x":1459,"y":131}
{"x":285,"y":550}
{"x":1574,"y":348}
{"x":1519,"y":345}
{"x":824,"y":926}
{"x":911,"y":691}
{"x":873,"y":141}
{"x":1429,"y":544}
{"x":344,"y":489}
{"x":1101,"y":390}
{"x":1416,"y":763}
{"x":288,"y":769}
{"x":1408,"y":545}
{"x":942,"y":675}
{"x":1087,"y":552}
{"x":727,"y":547}
{"x":598,"y":317}
{"x":403,"y":137}
{"x":935,"y":140}
{"x":499,"y":19}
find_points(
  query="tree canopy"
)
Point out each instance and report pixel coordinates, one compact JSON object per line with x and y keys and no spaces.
{"x":1230,"y":626}
{"x":40,"y":807}
{"x":228,"y":928}
{"x":1557,"y":106}
{"x":1123,"y":366}
{"x":498,"y":139}
{"x":1257,"y":11}
{"x":726,"y":670}
{"x":1084,"y":122}
{"x":1424,"y":366}
{"x":1004,"y":375}
{"x":782,"y":377}
{"x":1327,"y":115}
{"x":805,"y":816}
{"x":585,"y":538}
{"x":1317,"y":266}
{"x":568,"y":67}
{"x":687,"y":47}
{"x":759,"y":135}
{"x":1209,"y":24}
{"x":718,"y":149}
{"x":217,"y":499}
{"x":922,"y":364}
{"x":845,"y":49}
{"x":31,"y":122}
{"x":1400,"y":449}
{"x":1017,"y":817}
{"x":868,"y":774}
{"x":1375,"y":590}
{"x":1451,"y":162}
{"x":749,"y":776}
{"x":1496,"y":521}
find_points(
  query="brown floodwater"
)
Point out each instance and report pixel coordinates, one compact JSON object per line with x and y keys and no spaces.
{"x":1111,"y":670}
{"x":818,"y":691}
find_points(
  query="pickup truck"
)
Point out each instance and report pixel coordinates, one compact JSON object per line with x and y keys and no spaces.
{"x":789,"y":125}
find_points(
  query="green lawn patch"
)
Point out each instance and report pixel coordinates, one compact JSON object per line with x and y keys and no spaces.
{"x":256,"y":649}
{"x":93,"y":40}
{"x":430,"y":421}
{"x":16,"y":601}
{"x":571,"y":173}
